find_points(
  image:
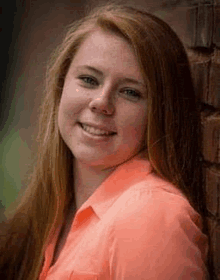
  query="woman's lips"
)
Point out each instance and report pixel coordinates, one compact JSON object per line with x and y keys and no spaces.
{"x":95,"y":130}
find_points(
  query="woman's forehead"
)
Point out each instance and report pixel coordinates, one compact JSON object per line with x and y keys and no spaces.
{"x":106,"y":52}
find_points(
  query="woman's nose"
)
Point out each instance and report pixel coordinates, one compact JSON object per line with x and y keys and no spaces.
{"x":102,"y":103}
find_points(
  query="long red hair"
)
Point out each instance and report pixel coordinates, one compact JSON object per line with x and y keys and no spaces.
{"x":172,"y":136}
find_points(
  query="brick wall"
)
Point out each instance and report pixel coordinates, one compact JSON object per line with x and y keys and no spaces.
{"x":197,"y":22}
{"x":204,"y":30}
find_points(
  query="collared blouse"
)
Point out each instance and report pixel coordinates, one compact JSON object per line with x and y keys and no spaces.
{"x":134,"y":226}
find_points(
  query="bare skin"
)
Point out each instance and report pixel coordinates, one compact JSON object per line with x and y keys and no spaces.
{"x":87,"y":180}
{"x":63,"y":234}
{"x":86,"y":183}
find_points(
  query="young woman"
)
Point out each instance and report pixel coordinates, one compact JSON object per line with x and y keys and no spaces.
{"x":117,"y":189}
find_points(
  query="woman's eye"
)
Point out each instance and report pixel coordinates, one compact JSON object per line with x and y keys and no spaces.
{"x":131,"y":94}
{"x":89,"y":80}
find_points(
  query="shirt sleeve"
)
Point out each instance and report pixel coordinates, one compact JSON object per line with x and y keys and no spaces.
{"x":157,"y":236}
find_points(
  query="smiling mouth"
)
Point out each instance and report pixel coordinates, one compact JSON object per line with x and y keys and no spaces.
{"x":96,"y":131}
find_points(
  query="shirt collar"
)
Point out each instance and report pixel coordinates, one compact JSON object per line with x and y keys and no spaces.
{"x":125,"y":175}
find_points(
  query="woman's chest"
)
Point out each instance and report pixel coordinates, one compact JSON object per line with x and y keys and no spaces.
{"x":60,"y":242}
{"x":81,"y":253}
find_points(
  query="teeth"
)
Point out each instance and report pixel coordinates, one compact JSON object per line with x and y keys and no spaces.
{"x":95,"y":131}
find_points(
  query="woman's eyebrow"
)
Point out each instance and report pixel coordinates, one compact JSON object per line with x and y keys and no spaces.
{"x":88,"y":67}
{"x":133,"y":81}
{"x":100,"y":73}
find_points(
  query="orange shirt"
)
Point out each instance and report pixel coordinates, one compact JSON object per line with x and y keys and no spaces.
{"x":134,"y":226}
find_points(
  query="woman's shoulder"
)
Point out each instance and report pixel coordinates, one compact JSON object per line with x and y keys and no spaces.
{"x":155,"y":224}
{"x":154,"y":199}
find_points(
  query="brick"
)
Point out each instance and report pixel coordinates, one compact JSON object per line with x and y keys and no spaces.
{"x":212,"y":224}
{"x":204,"y":26}
{"x":200,"y":73}
{"x":212,"y":181}
{"x":216,"y":248}
{"x":216,"y":32}
{"x":216,"y":56}
{"x":211,"y":139}
{"x":206,"y":1}
{"x":200,"y":25}
{"x":191,"y":16}
{"x":178,"y":3}
{"x":213,"y":97}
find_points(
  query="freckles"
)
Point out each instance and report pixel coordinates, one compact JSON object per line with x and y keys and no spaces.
{"x":72,"y":105}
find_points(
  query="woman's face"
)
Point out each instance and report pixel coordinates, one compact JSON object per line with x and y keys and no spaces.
{"x":103,"y":110}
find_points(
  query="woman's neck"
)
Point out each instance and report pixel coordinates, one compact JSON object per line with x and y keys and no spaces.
{"x":86,"y":180}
